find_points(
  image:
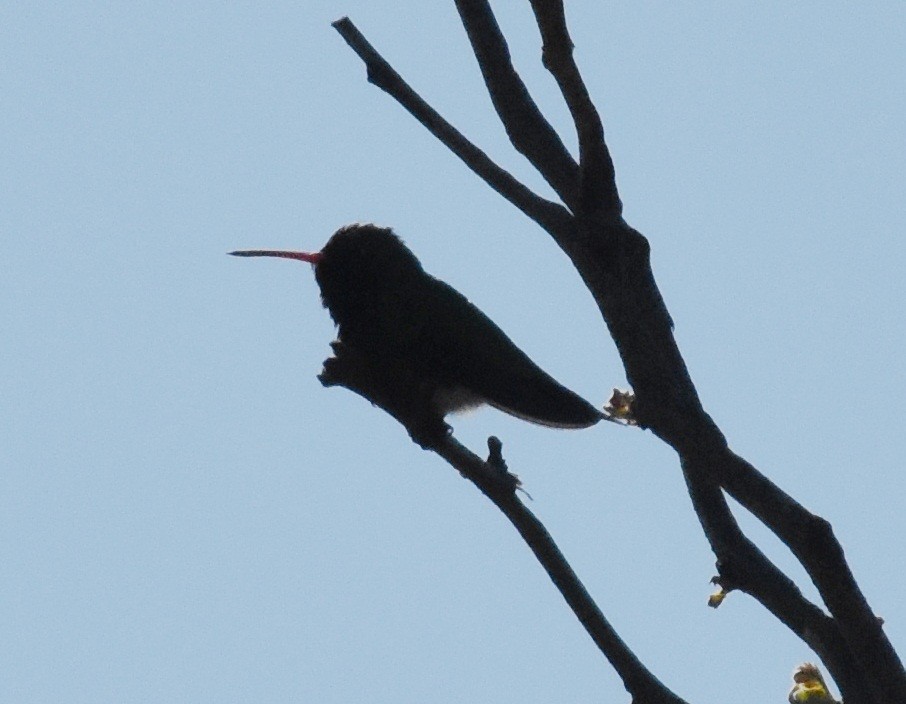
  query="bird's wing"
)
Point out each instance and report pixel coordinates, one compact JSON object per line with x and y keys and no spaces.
{"x":462,"y":346}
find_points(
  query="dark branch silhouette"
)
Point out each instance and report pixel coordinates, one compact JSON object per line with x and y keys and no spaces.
{"x":598,"y":188}
{"x":528,"y":130}
{"x":372,"y":382}
{"x":551,"y":216}
{"x":613,"y":260}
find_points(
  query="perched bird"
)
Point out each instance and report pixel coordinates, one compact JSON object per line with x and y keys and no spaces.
{"x":809,"y":686}
{"x":389,"y":310}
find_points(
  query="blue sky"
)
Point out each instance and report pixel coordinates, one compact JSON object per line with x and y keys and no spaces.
{"x":186,"y":515}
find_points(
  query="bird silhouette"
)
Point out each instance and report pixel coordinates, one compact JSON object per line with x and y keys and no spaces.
{"x":391,"y":312}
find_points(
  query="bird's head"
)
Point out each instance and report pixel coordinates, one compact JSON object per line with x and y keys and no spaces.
{"x":358,"y":263}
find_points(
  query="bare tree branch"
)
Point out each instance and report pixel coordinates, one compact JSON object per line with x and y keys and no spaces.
{"x":809,"y":537}
{"x":551,"y":216}
{"x":613,"y":260}
{"x":530,"y":133}
{"x":644,"y":687}
{"x":744,"y":567}
{"x":598,"y":178}
{"x":373,"y":383}
{"x":812,"y":541}
{"x":616,"y":269}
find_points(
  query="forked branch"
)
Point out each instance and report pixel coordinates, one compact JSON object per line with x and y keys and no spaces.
{"x":598,"y":192}
{"x":530,"y":133}
{"x":551,"y":216}
{"x":613,"y":260}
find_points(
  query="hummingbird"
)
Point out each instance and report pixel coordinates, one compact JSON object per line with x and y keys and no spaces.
{"x":389,"y":310}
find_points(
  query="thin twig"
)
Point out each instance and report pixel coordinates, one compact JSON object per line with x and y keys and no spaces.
{"x":638,"y":680}
{"x":553,"y":217}
{"x":530,"y":133}
{"x":599,"y":194}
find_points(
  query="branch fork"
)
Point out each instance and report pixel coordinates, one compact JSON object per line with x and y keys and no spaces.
{"x":613,"y":261}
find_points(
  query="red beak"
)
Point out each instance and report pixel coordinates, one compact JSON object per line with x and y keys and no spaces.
{"x":310,"y":257}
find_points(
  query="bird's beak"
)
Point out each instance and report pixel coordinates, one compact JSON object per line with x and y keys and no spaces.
{"x":310,"y":257}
